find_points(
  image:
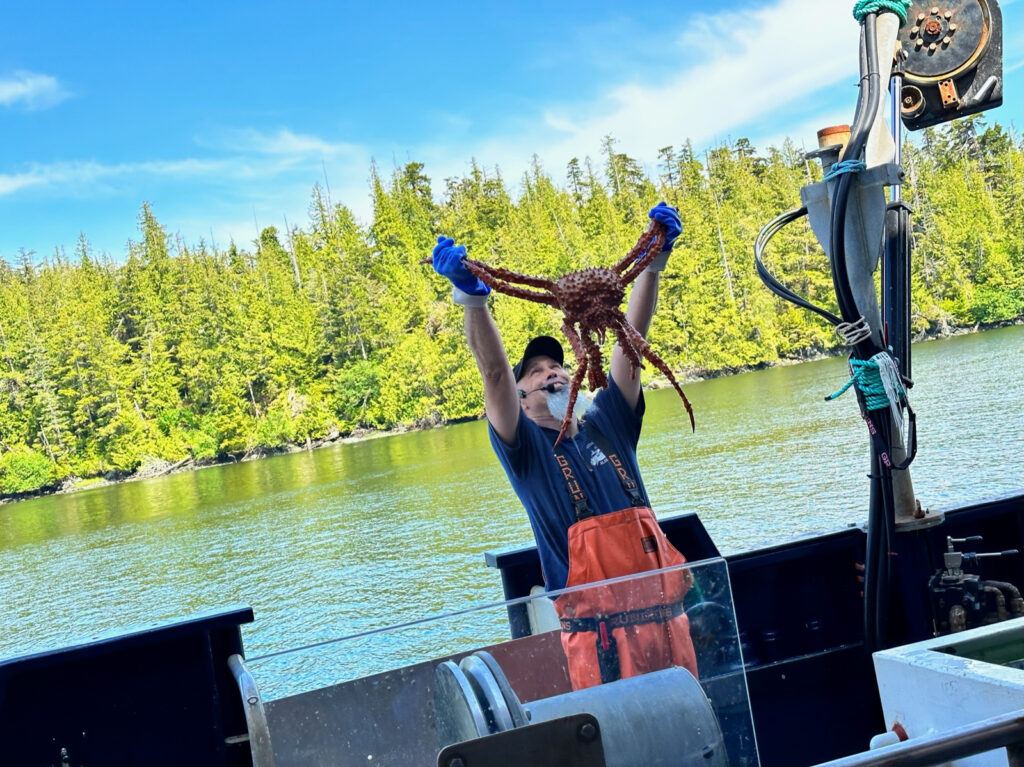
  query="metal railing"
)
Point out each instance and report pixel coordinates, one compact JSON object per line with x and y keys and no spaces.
{"x":1003,"y":731}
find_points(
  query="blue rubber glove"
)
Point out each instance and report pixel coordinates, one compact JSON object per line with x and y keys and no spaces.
{"x":447,"y":261}
{"x":665,"y":214}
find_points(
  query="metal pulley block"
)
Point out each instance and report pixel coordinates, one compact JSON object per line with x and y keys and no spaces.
{"x":953,"y":60}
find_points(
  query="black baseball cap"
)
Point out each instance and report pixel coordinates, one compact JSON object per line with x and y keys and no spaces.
{"x":545,"y":346}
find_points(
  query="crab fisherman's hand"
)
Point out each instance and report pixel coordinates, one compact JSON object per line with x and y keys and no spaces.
{"x":447,"y":261}
{"x":668,"y":217}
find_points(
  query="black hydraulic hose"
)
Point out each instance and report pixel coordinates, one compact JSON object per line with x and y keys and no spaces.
{"x":867,"y":107}
{"x":768,"y":231}
{"x":881,"y":519}
{"x":888,"y":514}
{"x":872,"y":551}
{"x":880,"y":543}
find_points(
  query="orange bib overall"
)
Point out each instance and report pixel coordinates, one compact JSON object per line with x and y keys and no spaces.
{"x":629,"y":628}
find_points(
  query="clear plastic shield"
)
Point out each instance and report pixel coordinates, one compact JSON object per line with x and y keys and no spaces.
{"x":402,"y":694}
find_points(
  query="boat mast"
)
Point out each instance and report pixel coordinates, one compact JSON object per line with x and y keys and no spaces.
{"x":941,"y":62}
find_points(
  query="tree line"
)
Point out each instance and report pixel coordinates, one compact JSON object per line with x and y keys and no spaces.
{"x":179,"y":351}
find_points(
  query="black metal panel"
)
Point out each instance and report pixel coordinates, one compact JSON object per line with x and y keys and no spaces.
{"x":571,"y":741}
{"x":814,"y":709}
{"x":800,"y":597}
{"x":158,"y":696}
{"x":800,"y":613}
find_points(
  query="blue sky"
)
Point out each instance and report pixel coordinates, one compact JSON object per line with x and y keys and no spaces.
{"x":224,"y":115}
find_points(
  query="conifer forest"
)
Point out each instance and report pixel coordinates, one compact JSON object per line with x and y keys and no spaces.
{"x":180,"y":352}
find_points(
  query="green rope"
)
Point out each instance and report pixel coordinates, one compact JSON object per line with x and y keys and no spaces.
{"x":866,"y":377}
{"x":863,"y":7}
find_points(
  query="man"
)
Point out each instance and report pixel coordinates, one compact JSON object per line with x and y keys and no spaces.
{"x":587,"y":506}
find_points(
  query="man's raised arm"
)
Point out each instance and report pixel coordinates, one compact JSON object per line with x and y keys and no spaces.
{"x":643,"y":300}
{"x":500,"y":397}
{"x":501,"y":400}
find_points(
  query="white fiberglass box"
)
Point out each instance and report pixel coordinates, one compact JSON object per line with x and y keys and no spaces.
{"x":939,"y":684}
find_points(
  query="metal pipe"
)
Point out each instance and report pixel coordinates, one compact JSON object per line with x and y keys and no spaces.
{"x":1003,"y":731}
{"x":896,"y":131}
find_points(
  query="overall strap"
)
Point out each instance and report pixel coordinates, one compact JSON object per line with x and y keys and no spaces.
{"x":629,"y":486}
{"x":637,"y":617}
{"x":581,"y":508}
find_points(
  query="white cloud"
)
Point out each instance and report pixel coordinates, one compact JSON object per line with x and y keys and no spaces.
{"x":30,"y":90}
{"x":256,"y":156}
{"x":737,"y":71}
{"x":282,"y":143}
{"x":10,"y":183}
{"x":77,"y":176}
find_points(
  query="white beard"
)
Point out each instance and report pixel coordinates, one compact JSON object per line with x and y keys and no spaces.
{"x":558,"y":403}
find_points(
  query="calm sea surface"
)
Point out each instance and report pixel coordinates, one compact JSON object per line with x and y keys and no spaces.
{"x":360,"y":536}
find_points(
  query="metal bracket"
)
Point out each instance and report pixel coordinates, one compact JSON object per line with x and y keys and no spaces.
{"x":255,"y":715}
{"x":947,"y":91}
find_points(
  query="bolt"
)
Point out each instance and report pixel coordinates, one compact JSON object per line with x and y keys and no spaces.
{"x":587,"y":732}
{"x":946,"y":40}
{"x":932,"y":47}
{"x":947,"y":14}
{"x":918,"y":43}
{"x":952,"y":28}
{"x":935,"y":10}
{"x":914,"y":30}
{"x":920,"y":17}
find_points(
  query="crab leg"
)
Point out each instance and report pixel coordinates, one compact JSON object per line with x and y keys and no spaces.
{"x":657,"y":232}
{"x":596,"y":377}
{"x":574,"y":390}
{"x":635,"y":363}
{"x":575,"y":342}
{"x":645,"y":349}
{"x":502,"y":281}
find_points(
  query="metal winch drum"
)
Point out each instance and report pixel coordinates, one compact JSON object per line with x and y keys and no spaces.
{"x":660,"y":718}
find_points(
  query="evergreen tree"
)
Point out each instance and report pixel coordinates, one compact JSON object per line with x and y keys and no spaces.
{"x":183,"y":352}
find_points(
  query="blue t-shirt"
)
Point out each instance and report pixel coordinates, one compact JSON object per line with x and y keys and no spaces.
{"x":533,"y":471}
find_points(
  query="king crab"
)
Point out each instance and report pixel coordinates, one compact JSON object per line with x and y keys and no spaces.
{"x":589,"y":300}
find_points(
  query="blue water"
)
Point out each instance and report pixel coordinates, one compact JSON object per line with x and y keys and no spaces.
{"x":363,"y":535}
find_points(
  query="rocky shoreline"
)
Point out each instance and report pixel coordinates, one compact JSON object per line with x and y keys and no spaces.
{"x":159,"y":468}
